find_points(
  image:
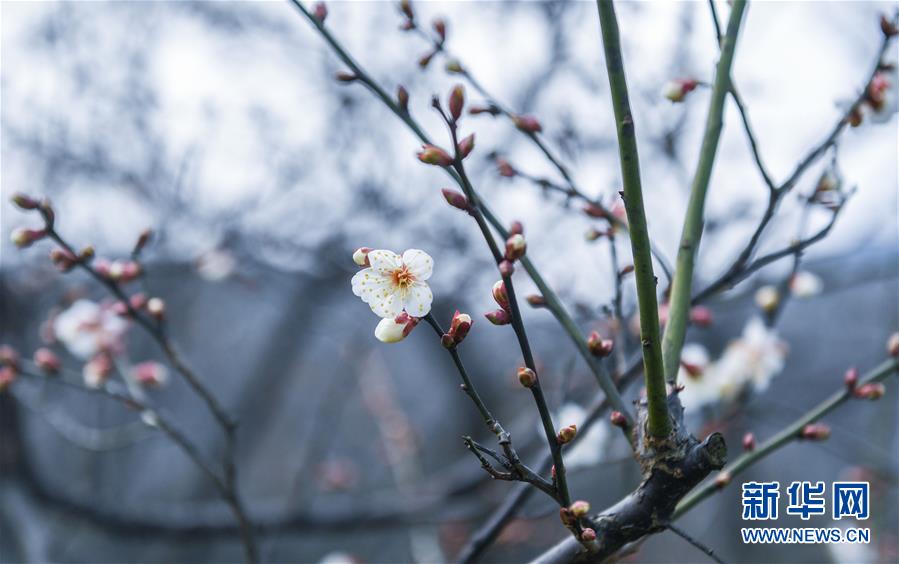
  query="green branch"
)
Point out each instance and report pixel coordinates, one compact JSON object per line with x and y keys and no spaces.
{"x":659,"y":423}
{"x":679,"y":307}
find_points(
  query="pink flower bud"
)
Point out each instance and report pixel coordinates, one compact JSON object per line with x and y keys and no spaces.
{"x":528,"y":124}
{"x":360,"y":256}
{"x":566,"y":517}
{"x":597,"y":211}
{"x":320,"y":12}
{"x":748,"y":442}
{"x":815,"y":432}
{"x":588,"y":535}
{"x":851,"y":378}
{"x":7,"y":377}
{"x":46,"y":361}
{"x":130,"y":271}
{"x":701,"y":316}
{"x":24,"y":202}
{"x":500,"y":296}
{"x":870,"y":391}
{"x":425,"y":60}
{"x":97,"y":370}
{"x":9,"y":356}
{"x":722,"y":479}
{"x":567,"y":434}
{"x":506,"y":268}
{"x":598,"y":346}
{"x":466,"y":146}
{"x":346,"y":77}
{"x":453,"y":66}
{"x":460,"y":326}
{"x":877,"y":89}
{"x":156,"y":308}
{"x":579,"y":508}
{"x":432,"y":155}
{"x":23,"y":238}
{"x":456,"y":101}
{"x":150,"y":374}
{"x":439,"y":26}
{"x":527,"y":377}
{"x":63,"y":259}
{"x":475,"y":110}
{"x":676,"y":90}
{"x":504,"y":168}
{"x":618,"y":419}
{"x":516,"y":246}
{"x":626,"y":270}
{"x":516,"y":228}
{"x":498,"y":317}
{"x":456,"y":199}
{"x":893,"y":345}
{"x":138,"y":301}
{"x":102,"y":266}
{"x":402,"y":98}
{"x":120,"y":308}
{"x":536,"y":301}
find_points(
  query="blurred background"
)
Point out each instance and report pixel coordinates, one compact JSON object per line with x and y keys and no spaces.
{"x":220,"y":125}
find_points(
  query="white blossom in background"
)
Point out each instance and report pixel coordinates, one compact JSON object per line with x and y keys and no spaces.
{"x":338,"y":557}
{"x":87,"y":328}
{"x":748,"y":362}
{"x":591,"y":448}
{"x":806,"y":284}
{"x":394,"y":283}
{"x":216,"y":265}
{"x":852,"y":552}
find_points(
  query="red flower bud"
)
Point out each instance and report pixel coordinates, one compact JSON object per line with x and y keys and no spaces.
{"x":618,"y":419}
{"x":360,"y":256}
{"x":870,"y":391}
{"x":456,"y":101}
{"x":528,"y":124}
{"x":138,"y":301}
{"x":598,"y":346}
{"x":345,"y":76}
{"x":516,"y":246}
{"x":142,"y":241}
{"x":63,"y":259}
{"x":851,"y":378}
{"x":460,"y":326}
{"x":402,"y":98}
{"x":588,"y":535}
{"x":456,"y":199}
{"x":46,"y":361}
{"x":701,"y":316}
{"x":320,"y":12}
{"x":504,"y":168}
{"x":433,"y":155}
{"x":500,"y":296}
{"x":23,"y":238}
{"x":24,"y":202}
{"x":595,"y":210}
{"x":9,"y":356}
{"x":7,"y":377}
{"x":579,"y":508}
{"x":498,"y":317}
{"x":466,"y":146}
{"x":516,"y":228}
{"x":440,"y":29}
{"x":748,"y":442}
{"x":815,"y":432}
{"x":536,"y":300}
{"x":527,"y":377}
{"x":506,"y":268}
{"x":893,"y":345}
{"x":567,"y":434}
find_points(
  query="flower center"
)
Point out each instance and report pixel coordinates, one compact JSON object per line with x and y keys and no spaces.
{"x":402,"y":278}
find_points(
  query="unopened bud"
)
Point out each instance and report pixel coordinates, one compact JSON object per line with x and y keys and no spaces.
{"x":346,"y":76}
{"x":536,"y":301}
{"x":748,"y":442}
{"x":588,"y":535}
{"x":579,"y":508}
{"x":402,"y":98}
{"x":23,"y":238}
{"x":86,"y":254}
{"x":394,"y":330}
{"x":466,"y":146}
{"x":598,"y":346}
{"x":432,"y":155}
{"x":722,"y":479}
{"x":516,"y":228}
{"x":701,"y":316}
{"x":101,"y":267}
{"x":506,"y":268}
{"x":46,"y":361}
{"x":138,"y":301}
{"x":9,"y":356}
{"x":870,"y":391}
{"x":24,"y":202}
{"x":851,"y":378}
{"x":618,"y":419}
{"x":767,"y":298}
{"x":142,"y":241}
{"x":320,"y":12}
{"x":439,"y":26}
{"x":815,"y":432}
{"x":676,"y":90}
{"x":456,"y":101}
{"x":516,"y":246}
{"x":150,"y":374}
{"x":456,"y":199}
{"x":425,"y":60}
{"x":855,"y":117}
{"x":62,"y":259}
{"x":360,"y":256}
{"x":626,"y":270}
{"x":406,"y":9}
{"x":498,"y":317}
{"x":595,"y":210}
{"x":453,"y":66}
{"x":566,"y":517}
{"x":96,"y":371}
{"x":475,"y":110}
{"x":459,"y":327}
{"x":527,"y":377}
{"x":887,"y":26}
{"x":500,"y":296}
{"x":156,"y":308}
{"x":528,"y":124}
{"x":505,"y":168}
{"x":567,"y":434}
{"x":893,"y":345}
{"x":7,"y":377}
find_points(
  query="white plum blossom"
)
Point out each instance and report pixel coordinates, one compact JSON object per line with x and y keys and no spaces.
{"x":394,"y":283}
{"x":216,"y":265}
{"x":748,"y":362}
{"x":805,"y":284}
{"x":87,"y":328}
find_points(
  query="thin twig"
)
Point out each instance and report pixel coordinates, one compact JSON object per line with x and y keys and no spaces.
{"x":708,"y":551}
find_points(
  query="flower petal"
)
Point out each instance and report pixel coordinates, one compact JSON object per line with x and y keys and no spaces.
{"x":370,"y":285}
{"x":387,"y":304}
{"x":417,"y":301}
{"x":383,"y":261}
{"x":419,"y":263}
